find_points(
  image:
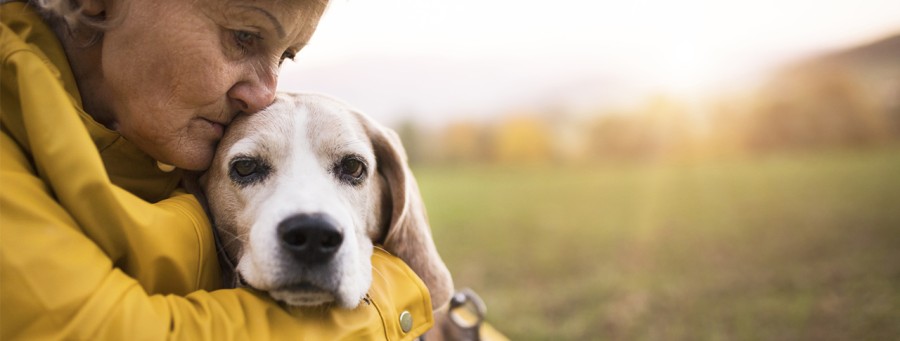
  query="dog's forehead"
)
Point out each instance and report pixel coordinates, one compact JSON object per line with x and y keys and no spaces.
{"x":261,"y":130}
{"x":333,"y":129}
{"x":329,"y":126}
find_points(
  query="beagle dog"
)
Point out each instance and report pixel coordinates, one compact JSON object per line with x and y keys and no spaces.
{"x":302,"y":191}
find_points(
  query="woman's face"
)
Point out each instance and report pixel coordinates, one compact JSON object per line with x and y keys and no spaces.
{"x":175,"y":72}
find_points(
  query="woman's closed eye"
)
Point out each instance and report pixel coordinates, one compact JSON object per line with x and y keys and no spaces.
{"x":246,"y":40}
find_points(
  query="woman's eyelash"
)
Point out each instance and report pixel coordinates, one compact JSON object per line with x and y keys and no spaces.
{"x":246,"y":40}
{"x":288,"y":55}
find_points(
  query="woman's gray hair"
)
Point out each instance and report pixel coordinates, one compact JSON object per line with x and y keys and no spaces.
{"x":65,"y":10}
{"x":67,"y":16}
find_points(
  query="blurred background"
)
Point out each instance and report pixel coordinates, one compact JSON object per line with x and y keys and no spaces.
{"x":693,"y":170}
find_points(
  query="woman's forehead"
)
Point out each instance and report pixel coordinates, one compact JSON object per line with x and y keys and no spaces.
{"x":280,"y":9}
{"x":289,"y":19}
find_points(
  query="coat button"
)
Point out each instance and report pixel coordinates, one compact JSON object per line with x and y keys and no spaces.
{"x":406,"y":321}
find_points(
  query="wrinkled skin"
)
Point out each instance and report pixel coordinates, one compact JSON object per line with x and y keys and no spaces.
{"x":170,"y":75}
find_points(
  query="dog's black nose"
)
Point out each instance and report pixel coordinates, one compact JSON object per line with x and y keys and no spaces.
{"x":310,"y":238}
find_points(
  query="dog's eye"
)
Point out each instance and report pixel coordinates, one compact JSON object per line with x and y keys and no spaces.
{"x":351,"y":169}
{"x":244,"y":167}
{"x":245,"y":171}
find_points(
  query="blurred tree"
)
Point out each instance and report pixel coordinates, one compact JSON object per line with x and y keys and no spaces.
{"x":464,"y":142}
{"x":816,"y":106}
{"x":411,"y":137}
{"x":617,"y":136}
{"x":661,"y":129}
{"x":671,"y":128}
{"x":523,"y":139}
{"x":728,"y":126}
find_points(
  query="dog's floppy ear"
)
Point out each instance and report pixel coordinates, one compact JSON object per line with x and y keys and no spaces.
{"x":408,"y":235}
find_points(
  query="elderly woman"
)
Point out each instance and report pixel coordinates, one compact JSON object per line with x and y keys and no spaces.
{"x":105,"y":105}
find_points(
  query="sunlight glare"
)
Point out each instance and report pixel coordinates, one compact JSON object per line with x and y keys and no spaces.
{"x":689,"y":70}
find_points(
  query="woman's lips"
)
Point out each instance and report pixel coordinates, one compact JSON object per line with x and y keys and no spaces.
{"x":218,"y":128}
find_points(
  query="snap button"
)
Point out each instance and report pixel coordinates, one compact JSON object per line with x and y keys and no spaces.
{"x":406,"y":321}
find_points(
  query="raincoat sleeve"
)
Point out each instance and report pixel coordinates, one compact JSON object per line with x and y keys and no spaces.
{"x":58,"y":284}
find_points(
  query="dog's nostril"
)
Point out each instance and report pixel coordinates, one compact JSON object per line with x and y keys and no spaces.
{"x":310,"y":238}
{"x":332,"y":241}
{"x":294,"y":238}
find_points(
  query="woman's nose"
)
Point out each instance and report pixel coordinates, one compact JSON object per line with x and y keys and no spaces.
{"x":253,"y":96}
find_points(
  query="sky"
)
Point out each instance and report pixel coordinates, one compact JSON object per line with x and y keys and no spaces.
{"x":436,"y":61}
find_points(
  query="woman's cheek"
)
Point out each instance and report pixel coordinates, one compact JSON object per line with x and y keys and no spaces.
{"x":206,"y":83}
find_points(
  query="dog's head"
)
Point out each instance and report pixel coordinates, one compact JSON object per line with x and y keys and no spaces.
{"x":300,"y":191}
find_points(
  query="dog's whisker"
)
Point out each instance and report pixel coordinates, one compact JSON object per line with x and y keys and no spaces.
{"x":228,"y":233}
{"x":237,"y":239}
{"x":232,"y":240}
{"x":231,"y":237}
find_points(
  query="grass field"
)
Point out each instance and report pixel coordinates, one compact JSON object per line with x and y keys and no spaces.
{"x":793,"y":247}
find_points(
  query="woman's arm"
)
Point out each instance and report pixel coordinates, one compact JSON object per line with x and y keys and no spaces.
{"x":57,"y":283}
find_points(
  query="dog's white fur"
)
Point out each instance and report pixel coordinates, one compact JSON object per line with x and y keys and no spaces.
{"x":302,"y":138}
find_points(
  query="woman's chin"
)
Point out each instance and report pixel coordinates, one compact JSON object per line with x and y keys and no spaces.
{"x":196,"y":160}
{"x":198,"y":164}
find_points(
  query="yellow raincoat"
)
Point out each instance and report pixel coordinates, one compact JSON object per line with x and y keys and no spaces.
{"x":97,"y":243}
